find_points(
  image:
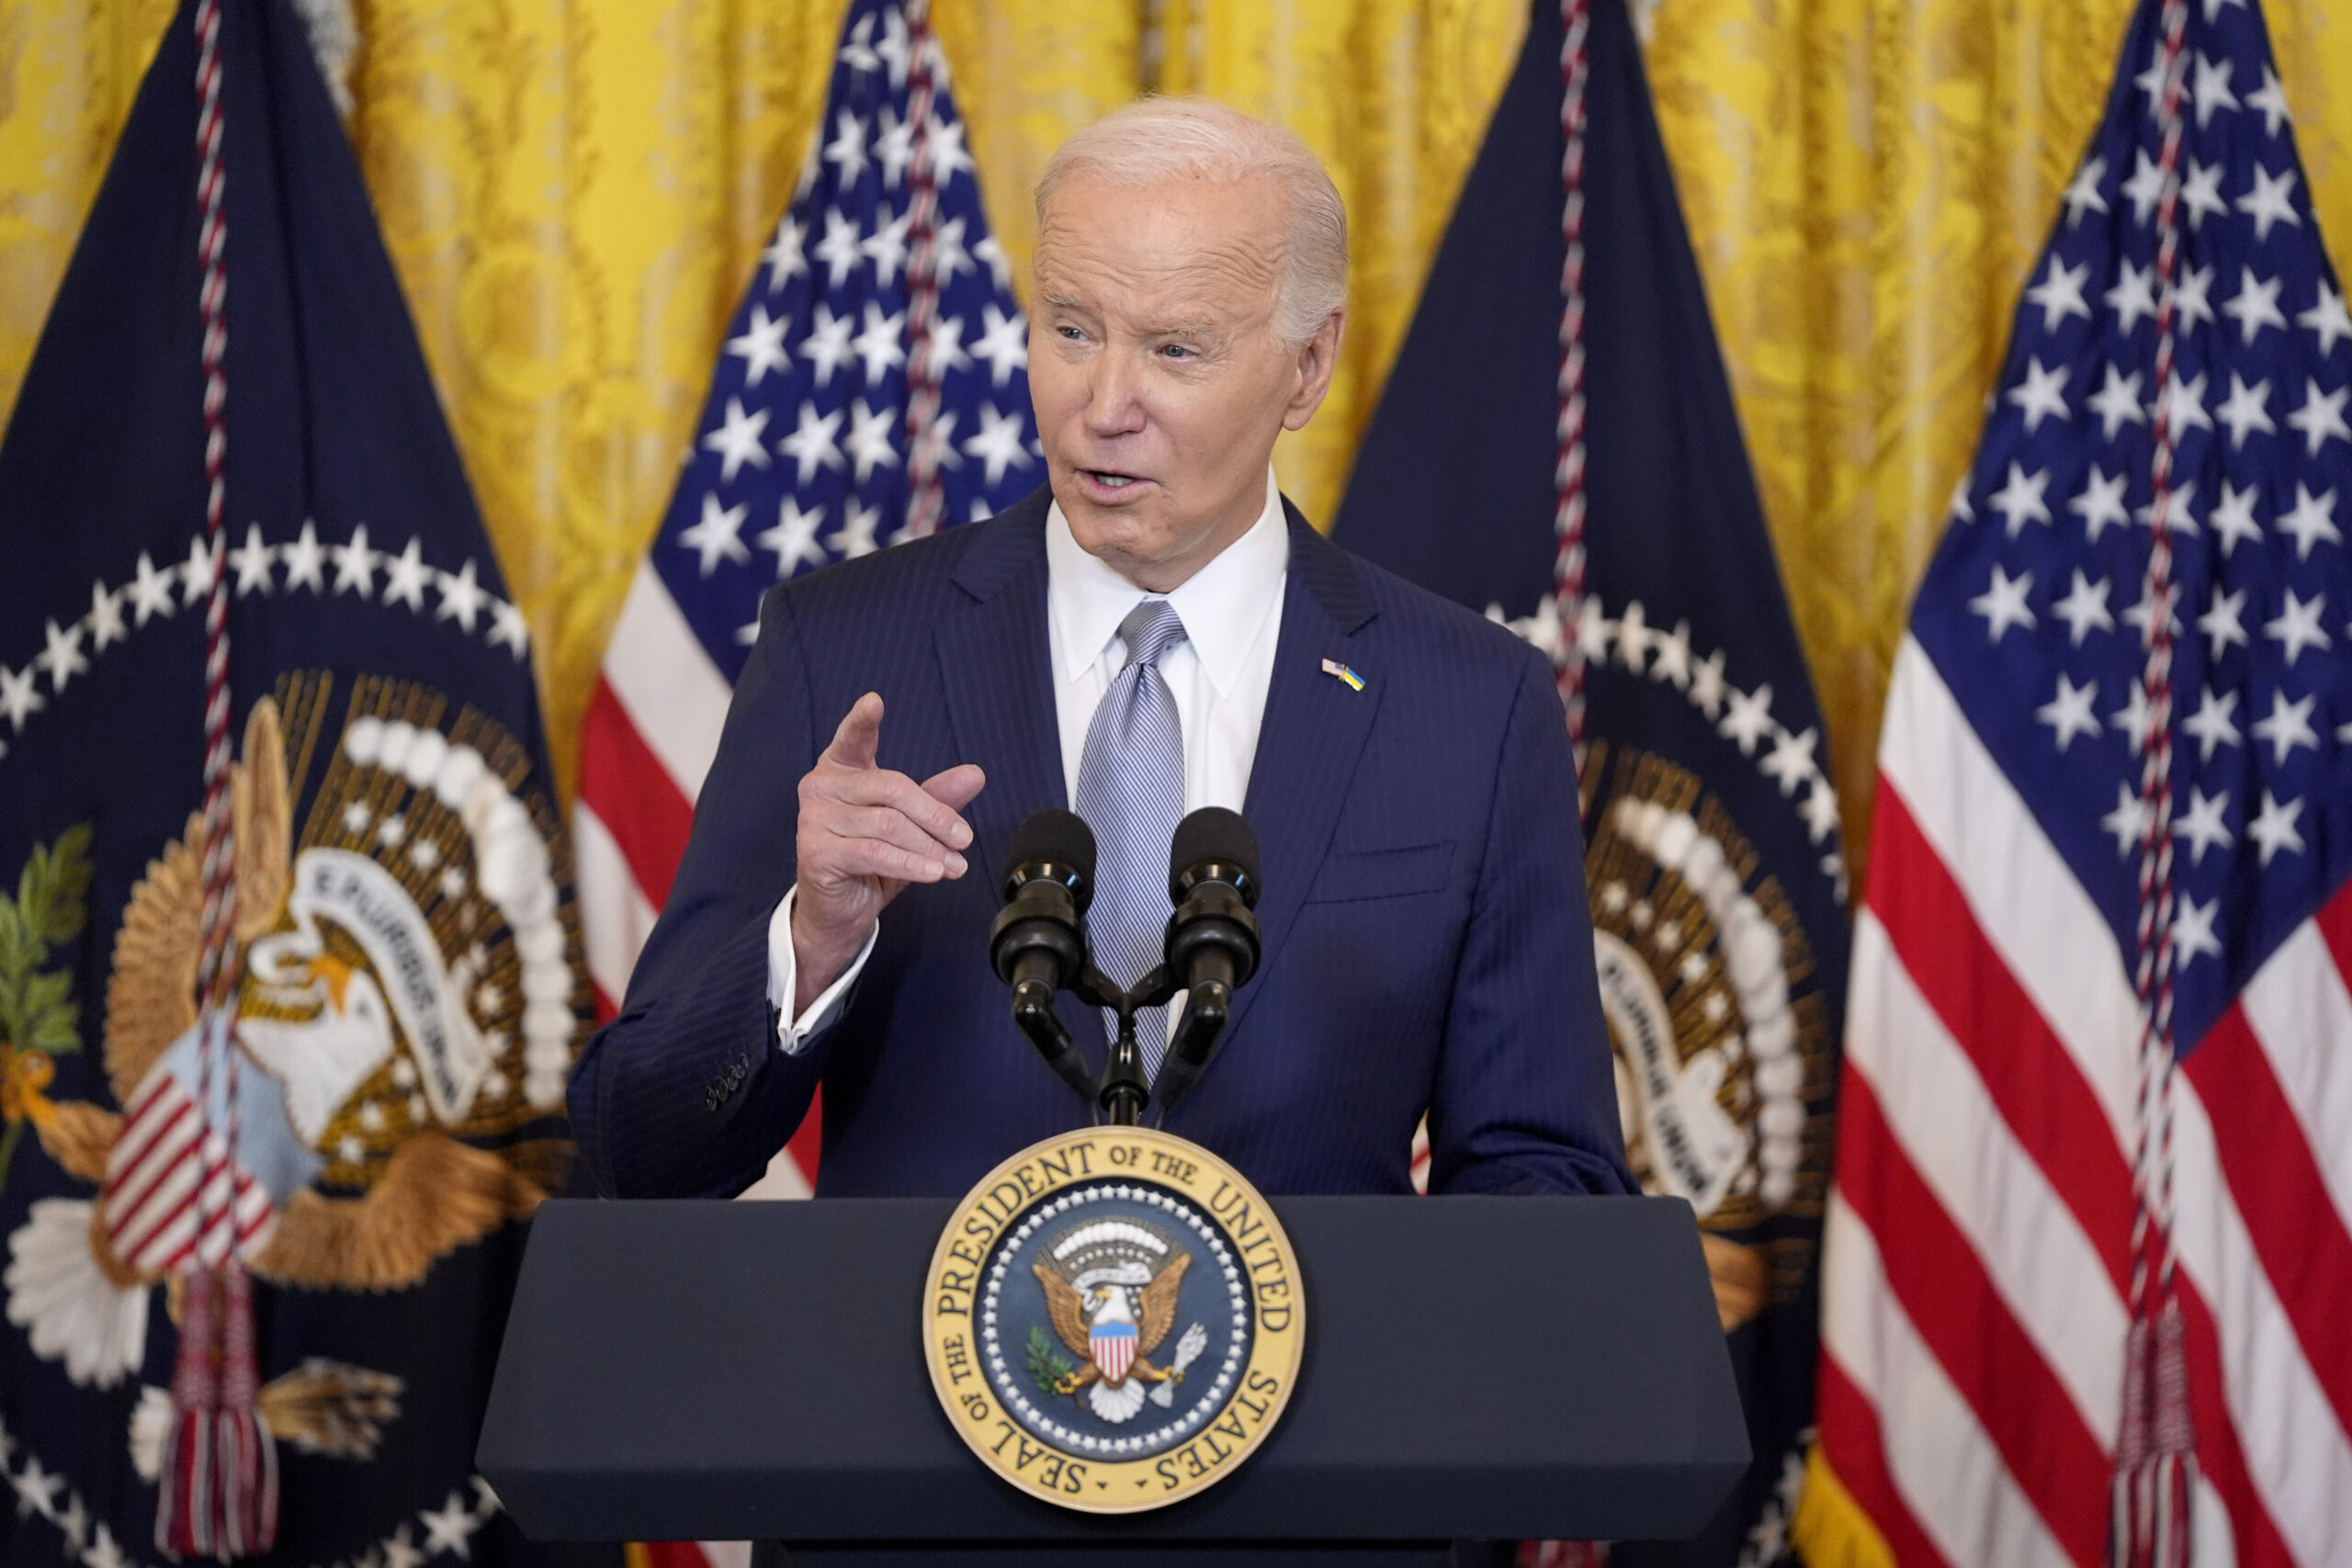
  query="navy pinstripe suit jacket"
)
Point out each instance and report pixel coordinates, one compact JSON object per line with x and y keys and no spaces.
{"x":1426,"y":939}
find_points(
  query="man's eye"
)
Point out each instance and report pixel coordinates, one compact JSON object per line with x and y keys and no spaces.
{"x":1069,"y":334}
{"x":1175,"y":350}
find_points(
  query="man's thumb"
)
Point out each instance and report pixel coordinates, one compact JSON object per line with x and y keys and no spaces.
{"x":955,"y":787}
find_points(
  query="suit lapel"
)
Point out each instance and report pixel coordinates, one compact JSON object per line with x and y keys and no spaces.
{"x":994,"y":660}
{"x":996,"y":663}
{"x":1313,"y":732}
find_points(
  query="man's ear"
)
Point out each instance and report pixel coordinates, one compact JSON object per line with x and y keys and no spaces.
{"x":1318,"y":357}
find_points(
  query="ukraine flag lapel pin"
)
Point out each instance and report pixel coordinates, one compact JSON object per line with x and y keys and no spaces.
{"x":1334,"y":668}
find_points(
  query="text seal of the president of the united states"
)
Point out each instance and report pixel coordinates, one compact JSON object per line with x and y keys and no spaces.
{"x":1113,"y":1320}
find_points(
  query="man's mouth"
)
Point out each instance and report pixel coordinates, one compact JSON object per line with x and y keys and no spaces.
{"x":1106,"y":478}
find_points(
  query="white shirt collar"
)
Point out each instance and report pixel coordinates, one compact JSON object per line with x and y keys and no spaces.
{"x":1222,"y":605}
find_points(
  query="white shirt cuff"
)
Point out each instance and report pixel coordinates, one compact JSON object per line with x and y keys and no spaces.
{"x":784,"y":981}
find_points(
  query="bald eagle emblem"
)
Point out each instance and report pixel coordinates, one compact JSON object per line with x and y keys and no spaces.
{"x":406,"y":1008}
{"x":1111,"y":1292}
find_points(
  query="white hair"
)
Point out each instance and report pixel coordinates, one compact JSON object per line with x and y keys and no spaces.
{"x":1158,"y":139}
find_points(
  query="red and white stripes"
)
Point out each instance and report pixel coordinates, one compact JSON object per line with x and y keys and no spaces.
{"x":153,"y":1203}
{"x":1568,"y":470}
{"x":1981,"y":1248}
{"x":647,"y":743}
{"x":652,"y":729}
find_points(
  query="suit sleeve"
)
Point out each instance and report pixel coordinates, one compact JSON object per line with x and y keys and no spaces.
{"x":1526,"y":1098}
{"x":684,"y":1094}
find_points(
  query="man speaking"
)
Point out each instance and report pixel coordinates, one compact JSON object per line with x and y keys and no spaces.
{"x":1154,"y":632}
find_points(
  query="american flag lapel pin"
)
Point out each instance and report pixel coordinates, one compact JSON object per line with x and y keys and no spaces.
{"x":1334,"y":668}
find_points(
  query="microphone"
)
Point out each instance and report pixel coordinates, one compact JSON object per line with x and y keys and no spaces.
{"x":1212,"y":947}
{"x":1038,"y":942}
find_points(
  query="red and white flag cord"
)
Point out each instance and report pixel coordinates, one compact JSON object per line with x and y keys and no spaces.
{"x":1567,"y":485}
{"x":925,"y":497}
{"x":1567,"y":474}
{"x":218,"y":1487}
{"x":2155,"y":1455}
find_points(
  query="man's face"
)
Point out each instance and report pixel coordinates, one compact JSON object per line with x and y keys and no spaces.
{"x":1158,"y":380}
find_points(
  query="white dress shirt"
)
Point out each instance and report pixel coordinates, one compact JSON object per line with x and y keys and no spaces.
{"x":1232,"y":611}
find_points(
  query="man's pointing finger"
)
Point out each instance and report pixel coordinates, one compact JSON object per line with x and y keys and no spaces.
{"x":860,"y":735}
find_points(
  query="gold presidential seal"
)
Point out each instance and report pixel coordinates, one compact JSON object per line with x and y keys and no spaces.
{"x":1113,"y":1319}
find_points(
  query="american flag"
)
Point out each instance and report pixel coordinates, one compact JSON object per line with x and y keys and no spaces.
{"x":803,"y":453}
{"x":1987,"y":1239}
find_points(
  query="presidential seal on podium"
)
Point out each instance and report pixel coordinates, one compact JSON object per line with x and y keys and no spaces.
{"x":1113,"y":1320}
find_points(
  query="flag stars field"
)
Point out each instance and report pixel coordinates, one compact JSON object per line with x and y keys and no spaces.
{"x":806,"y":419}
{"x":2068,"y":713}
{"x":2116,"y":402}
{"x":2211,"y":726}
{"x":2247,"y":409}
{"x":2254,"y":306}
{"x":2060,"y":294}
{"x":2099,"y":503}
{"x":2320,"y":419}
{"x":2327,"y":319}
{"x":2084,"y":609}
{"x":2253,"y":508}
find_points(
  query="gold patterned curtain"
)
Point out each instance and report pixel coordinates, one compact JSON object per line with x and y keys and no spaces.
{"x":575,"y":192}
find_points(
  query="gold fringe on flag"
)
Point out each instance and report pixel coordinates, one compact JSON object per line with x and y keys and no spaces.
{"x":1830,"y":1530}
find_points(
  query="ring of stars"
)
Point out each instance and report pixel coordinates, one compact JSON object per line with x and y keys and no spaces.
{"x":304,"y":564}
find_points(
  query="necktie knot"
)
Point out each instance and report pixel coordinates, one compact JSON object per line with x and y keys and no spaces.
{"x":1150,"y":629}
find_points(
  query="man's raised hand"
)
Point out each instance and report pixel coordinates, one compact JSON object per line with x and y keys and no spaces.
{"x":865,"y":832}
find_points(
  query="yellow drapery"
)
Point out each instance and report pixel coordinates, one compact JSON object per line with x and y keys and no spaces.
{"x":576,"y":194}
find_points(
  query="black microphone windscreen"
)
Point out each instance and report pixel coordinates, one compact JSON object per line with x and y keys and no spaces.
{"x":1055,"y":835}
{"x":1212,"y":833}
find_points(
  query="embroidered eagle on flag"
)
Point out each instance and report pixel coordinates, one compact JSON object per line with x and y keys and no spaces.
{"x":1111,"y":1291}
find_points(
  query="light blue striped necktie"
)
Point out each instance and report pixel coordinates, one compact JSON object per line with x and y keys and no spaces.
{"x":1131,"y":792}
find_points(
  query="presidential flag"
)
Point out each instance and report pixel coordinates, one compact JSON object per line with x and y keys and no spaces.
{"x":1558,"y":447}
{"x":2089,"y":1253}
{"x":874,"y":385}
{"x":386,"y":936}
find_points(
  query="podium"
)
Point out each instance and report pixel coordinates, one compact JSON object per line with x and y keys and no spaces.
{"x":1476,"y":1368}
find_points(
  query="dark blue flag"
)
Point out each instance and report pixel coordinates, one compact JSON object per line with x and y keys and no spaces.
{"x":1714,"y":861}
{"x":410,"y":988}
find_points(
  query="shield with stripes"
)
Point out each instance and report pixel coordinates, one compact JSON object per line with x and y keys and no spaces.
{"x":1113,"y":1346}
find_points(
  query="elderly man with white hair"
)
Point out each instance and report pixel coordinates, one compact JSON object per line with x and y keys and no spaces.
{"x":1154,"y":631}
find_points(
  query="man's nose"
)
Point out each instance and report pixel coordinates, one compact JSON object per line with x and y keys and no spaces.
{"x":1115,"y":403}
